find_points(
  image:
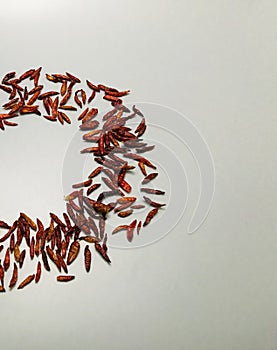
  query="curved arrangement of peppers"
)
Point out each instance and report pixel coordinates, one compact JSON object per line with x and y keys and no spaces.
{"x":116,"y":150}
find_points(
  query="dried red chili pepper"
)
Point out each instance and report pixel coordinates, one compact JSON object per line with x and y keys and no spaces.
{"x":2,"y":274}
{"x":145,"y":149}
{"x":7,"y":260}
{"x":139,"y":227}
{"x":142,"y":168}
{"x":16,"y":252}
{"x":92,"y":113}
{"x":3,"y":224}
{"x":53,"y":257}
{"x":22,"y":258}
{"x":73,"y":78}
{"x":82,"y":184}
{"x":149,"y":178}
{"x":125,"y":186}
{"x":45,"y":260}
{"x":87,"y":257}
{"x":126,"y":200}
{"x":68,"y":108}
{"x":12,"y":243}
{"x":120,"y":228}
{"x":92,"y":86}
{"x":38,"y":273}
{"x":152,"y":203}
{"x":130,"y":230}
{"x":102,"y":252}
{"x":138,"y":206}
{"x":124,"y":214}
{"x":63,"y":88}
{"x":152,"y":191}
{"x":11,"y":230}
{"x":66,"y":278}
{"x":27,"y":281}
{"x":73,"y":252}
{"x":150,"y":216}
{"x":14,"y":278}
{"x":32,"y":248}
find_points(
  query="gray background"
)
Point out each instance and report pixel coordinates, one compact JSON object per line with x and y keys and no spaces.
{"x":215,"y":62}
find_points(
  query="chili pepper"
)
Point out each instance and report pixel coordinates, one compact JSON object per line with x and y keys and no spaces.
{"x":27,"y":281}
{"x":92,"y":113}
{"x":101,"y":208}
{"x":3,"y":224}
{"x":152,"y":191}
{"x":53,"y":257}
{"x":2,"y":274}
{"x":140,"y":159}
{"x":83,"y":184}
{"x":29,"y":220}
{"x":125,"y":186}
{"x":66,"y":278}
{"x":34,"y":97}
{"x":11,"y":230}
{"x":65,"y":117}
{"x":89,"y":125}
{"x":120,"y":228}
{"x":8,"y":123}
{"x":73,"y":78}
{"x":122,"y":207}
{"x":109,"y":183}
{"x":62,"y":262}
{"x":22,"y":258}
{"x":16,"y":252}
{"x":92,"y":96}
{"x":7,"y":260}
{"x":141,"y":128}
{"x":51,"y":78}
{"x":153,"y":204}
{"x":93,"y":226}
{"x":138,"y":206}
{"x":1,"y":248}
{"x":126,"y":200}
{"x":48,"y":94}
{"x":83,"y":114}
{"x":145,"y":149}
{"x":45,"y":260}
{"x":6,"y":89}
{"x":92,"y":86}
{"x":12,"y":243}
{"x":61,"y":77}
{"x":87,"y":257}
{"x":142,"y":168}
{"x":139,"y":227}
{"x":149,"y":178}
{"x":14,"y":276}
{"x":92,"y":188}
{"x":150,"y":216}
{"x":130,"y":230}
{"x":32,"y":248}
{"x":38,"y":273}
{"x":68,"y":108}
{"x":77,"y":100}
{"x":30,"y":109}
{"x":73,"y":252}
{"x":102,"y":252}
{"x":56,"y":219}
{"x":101,"y":227}
{"x":124,"y":214}
{"x":63,"y":88}
{"x":8,"y":76}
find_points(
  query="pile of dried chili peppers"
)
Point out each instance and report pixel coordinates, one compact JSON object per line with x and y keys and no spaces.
{"x":114,"y":146}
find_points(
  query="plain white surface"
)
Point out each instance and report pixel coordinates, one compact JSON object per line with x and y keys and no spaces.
{"x":213,"y":61}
